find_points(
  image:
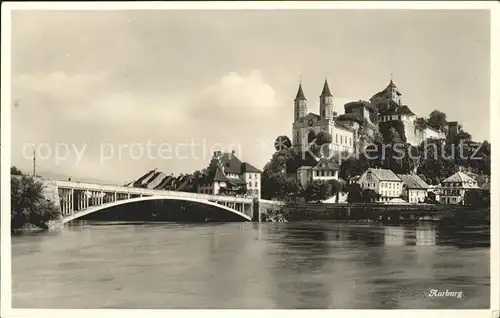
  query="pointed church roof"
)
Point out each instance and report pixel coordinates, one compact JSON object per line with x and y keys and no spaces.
{"x":300,"y":94}
{"x":326,"y":89}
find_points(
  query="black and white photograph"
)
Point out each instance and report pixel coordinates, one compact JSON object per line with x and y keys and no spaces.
{"x":251,"y":155}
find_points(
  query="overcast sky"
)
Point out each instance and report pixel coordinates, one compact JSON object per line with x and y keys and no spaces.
{"x":95,"y":79}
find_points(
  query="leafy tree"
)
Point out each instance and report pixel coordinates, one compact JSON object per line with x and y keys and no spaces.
{"x":272,"y":184}
{"x":323,"y":138}
{"x":28,"y":205}
{"x":437,"y":120}
{"x":292,"y":188}
{"x":354,"y":193}
{"x":369,"y":195}
{"x":14,"y":171}
{"x":420,"y":123}
{"x":336,"y":186}
{"x":317,"y":190}
{"x":282,"y":142}
{"x":477,"y":198}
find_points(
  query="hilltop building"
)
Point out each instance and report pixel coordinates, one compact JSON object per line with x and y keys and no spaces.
{"x":388,"y":103}
{"x":307,"y":125}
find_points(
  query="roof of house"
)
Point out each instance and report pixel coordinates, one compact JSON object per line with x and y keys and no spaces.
{"x":342,"y":125}
{"x":246,"y":167}
{"x":236,"y":181}
{"x":159,"y":176}
{"x":359,"y":103}
{"x":143,"y":177}
{"x":413,"y":181}
{"x":232,"y":164}
{"x":394,"y":108}
{"x":404,"y":110}
{"x":384,"y":174}
{"x":166,"y":180}
{"x":458,"y":177}
{"x":220,"y":176}
{"x":326,"y":164}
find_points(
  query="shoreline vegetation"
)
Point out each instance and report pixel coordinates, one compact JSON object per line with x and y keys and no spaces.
{"x":30,"y":210}
{"x":278,"y":212}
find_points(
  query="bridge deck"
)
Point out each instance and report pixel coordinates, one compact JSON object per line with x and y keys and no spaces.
{"x":145,"y":192}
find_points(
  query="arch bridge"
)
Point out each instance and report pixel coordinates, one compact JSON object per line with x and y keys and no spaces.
{"x":77,"y":199}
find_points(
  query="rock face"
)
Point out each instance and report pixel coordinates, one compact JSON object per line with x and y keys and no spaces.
{"x":51,"y":193}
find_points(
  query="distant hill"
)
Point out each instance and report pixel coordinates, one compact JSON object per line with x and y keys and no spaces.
{"x":64,"y":177}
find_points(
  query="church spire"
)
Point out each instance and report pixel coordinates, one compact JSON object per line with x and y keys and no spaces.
{"x":326,"y":89}
{"x":391,"y":83}
{"x":300,"y":94}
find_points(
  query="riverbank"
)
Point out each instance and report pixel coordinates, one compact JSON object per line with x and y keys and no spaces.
{"x":292,"y":211}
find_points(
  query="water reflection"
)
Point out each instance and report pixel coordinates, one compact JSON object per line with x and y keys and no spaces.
{"x":246,"y":265}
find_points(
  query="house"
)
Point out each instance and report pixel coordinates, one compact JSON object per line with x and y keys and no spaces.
{"x":383,"y":181}
{"x":325,"y":169}
{"x":230,"y":175}
{"x":454,"y":187}
{"x":414,"y":188}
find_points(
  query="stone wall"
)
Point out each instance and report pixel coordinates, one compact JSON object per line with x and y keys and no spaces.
{"x":347,"y":211}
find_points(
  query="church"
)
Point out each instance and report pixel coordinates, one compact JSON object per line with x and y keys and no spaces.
{"x":307,"y":125}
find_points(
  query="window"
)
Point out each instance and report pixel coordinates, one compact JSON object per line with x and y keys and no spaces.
{"x":256,"y":184}
{"x":336,"y":138}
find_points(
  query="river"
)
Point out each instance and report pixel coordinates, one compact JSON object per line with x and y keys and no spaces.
{"x":248,"y":265}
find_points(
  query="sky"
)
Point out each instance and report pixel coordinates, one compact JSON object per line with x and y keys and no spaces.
{"x":109,"y":95}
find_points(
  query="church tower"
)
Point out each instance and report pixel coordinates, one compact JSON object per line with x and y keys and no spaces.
{"x":326,"y":102}
{"x":300,"y":104}
{"x":393,"y":93}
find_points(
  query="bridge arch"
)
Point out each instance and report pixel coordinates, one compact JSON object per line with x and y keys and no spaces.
{"x":94,"y":209}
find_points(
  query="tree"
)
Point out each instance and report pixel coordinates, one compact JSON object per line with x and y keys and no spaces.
{"x":292,"y":188}
{"x":420,"y":123}
{"x":323,"y":138}
{"x":272,"y":184}
{"x":282,"y":142}
{"x":317,"y":190}
{"x":437,"y":120}
{"x":369,"y":195}
{"x":336,"y":186}
{"x":477,"y":198}
{"x":28,"y":205}
{"x":15,"y":172}
{"x":354,"y":193}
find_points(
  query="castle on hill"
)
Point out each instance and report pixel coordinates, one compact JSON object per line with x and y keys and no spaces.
{"x":384,"y":109}
{"x":385,"y":105}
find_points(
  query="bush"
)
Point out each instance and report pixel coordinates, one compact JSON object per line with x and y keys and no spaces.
{"x":28,"y":206}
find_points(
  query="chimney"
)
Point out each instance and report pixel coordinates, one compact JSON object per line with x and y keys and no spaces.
{"x":217,"y":154}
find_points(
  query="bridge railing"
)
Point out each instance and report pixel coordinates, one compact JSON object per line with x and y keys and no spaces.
{"x":142,"y":191}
